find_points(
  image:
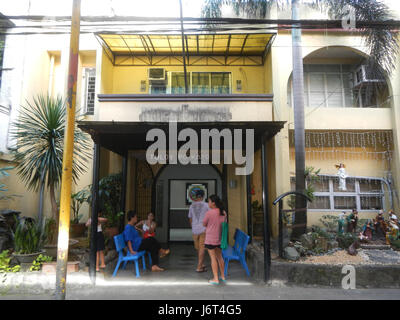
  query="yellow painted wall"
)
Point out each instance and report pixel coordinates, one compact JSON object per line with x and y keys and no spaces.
{"x":237,"y":203}
{"x":127,"y":80}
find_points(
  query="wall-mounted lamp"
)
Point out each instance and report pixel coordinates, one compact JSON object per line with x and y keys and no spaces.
{"x":238,"y":85}
{"x":143,"y":85}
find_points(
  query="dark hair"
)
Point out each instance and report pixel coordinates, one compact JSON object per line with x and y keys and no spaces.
{"x":199,"y":193}
{"x":218,"y":203}
{"x":131,"y":214}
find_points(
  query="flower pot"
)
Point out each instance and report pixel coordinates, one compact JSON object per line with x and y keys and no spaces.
{"x":77,"y":230}
{"x":51,"y":267}
{"x":111,"y":231}
{"x":27,"y":258}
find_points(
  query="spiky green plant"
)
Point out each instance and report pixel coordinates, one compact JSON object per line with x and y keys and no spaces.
{"x":381,"y":41}
{"x":39,"y":132}
{"x":29,"y":236}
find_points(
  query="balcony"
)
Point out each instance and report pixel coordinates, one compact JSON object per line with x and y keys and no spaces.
{"x":184,"y":107}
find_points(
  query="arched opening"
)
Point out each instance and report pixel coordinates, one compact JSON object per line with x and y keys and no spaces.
{"x":171,"y":191}
{"x":339,"y":77}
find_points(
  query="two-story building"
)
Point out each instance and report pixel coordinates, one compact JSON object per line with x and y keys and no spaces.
{"x":132,"y":82}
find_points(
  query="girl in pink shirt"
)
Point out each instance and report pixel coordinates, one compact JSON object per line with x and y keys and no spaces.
{"x":213,"y":223}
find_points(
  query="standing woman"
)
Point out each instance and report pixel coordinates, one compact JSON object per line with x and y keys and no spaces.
{"x":213,"y":222}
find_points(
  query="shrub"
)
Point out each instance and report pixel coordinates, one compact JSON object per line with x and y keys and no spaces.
{"x":330,"y":222}
{"x":346,"y":239}
{"x":29,"y":236}
{"x":37,"y":263}
{"x":5,"y":263}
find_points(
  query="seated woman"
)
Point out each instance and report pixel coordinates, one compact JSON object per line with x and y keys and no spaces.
{"x":148,"y":226}
{"x":136,"y":243}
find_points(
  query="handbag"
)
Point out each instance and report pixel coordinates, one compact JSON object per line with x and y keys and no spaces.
{"x":224,"y":236}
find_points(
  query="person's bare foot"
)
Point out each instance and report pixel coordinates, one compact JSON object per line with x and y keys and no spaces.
{"x":164,"y":253}
{"x":103,"y":266}
{"x":156,"y":269}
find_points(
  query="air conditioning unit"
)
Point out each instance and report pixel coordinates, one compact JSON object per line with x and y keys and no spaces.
{"x":156,"y":74}
{"x":362,"y":75}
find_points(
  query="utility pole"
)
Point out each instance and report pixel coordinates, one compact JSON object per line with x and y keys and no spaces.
{"x":299,"y":134}
{"x":66,"y":182}
{"x":183,"y":48}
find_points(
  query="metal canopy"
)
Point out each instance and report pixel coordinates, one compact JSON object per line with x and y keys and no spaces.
{"x":218,"y":49}
{"x":121,"y":137}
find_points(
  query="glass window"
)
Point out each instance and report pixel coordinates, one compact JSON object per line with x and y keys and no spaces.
{"x":320,"y":202}
{"x":344,"y":202}
{"x":220,"y":83}
{"x":317,"y":90}
{"x":178,"y":82}
{"x":201,"y":82}
{"x":334,"y":90}
{"x":327,"y":85}
{"x":370,"y":186}
{"x":371,"y":202}
{"x":322,"y":185}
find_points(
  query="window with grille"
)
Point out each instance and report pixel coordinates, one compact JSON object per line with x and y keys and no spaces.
{"x":89,"y":90}
{"x":362,"y":194}
{"x":200,"y":82}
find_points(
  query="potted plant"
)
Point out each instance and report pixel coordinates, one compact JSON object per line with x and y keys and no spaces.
{"x":112,"y":224}
{"x":29,"y":239}
{"x":78,"y":199}
{"x":110,"y":189}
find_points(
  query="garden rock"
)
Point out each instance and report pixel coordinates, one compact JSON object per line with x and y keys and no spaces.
{"x":332,"y":245}
{"x":322,"y":244}
{"x":84,"y":261}
{"x":110,"y":256}
{"x":353,"y":248}
{"x":291,"y":253}
{"x":299,"y":248}
{"x":307,"y":241}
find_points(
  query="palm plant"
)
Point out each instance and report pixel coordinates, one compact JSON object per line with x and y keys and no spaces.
{"x":381,"y":41}
{"x":39,"y":132}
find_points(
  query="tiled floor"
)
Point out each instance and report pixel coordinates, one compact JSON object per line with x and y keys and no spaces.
{"x":179,"y":266}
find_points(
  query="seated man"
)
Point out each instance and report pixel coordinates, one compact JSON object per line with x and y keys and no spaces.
{"x":135,"y":242}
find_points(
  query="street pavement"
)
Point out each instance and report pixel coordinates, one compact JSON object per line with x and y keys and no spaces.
{"x":181,"y":282}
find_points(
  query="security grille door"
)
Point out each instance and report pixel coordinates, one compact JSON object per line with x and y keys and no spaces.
{"x":144,"y":182}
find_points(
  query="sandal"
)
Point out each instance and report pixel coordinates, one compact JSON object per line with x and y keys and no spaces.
{"x":203,"y":269}
{"x":213,"y":282}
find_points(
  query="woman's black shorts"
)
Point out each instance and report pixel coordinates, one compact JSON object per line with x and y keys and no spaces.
{"x":100,"y":241}
{"x":212,"y":246}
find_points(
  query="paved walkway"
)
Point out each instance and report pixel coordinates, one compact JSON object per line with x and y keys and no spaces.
{"x":181,"y":282}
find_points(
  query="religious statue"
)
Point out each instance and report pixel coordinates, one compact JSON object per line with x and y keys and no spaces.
{"x":380,"y":225}
{"x":366,"y":232}
{"x":352,"y":220}
{"x":342,"y":177}
{"x":393,"y":233}
{"x":341,"y":222}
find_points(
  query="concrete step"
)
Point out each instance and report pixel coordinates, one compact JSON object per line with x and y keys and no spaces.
{"x":375,"y":246}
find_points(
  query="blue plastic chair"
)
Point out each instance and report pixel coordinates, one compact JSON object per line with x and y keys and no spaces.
{"x":237,"y":252}
{"x":120,"y":245}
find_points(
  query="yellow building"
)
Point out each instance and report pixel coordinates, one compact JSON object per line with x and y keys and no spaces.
{"x":130,"y":83}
